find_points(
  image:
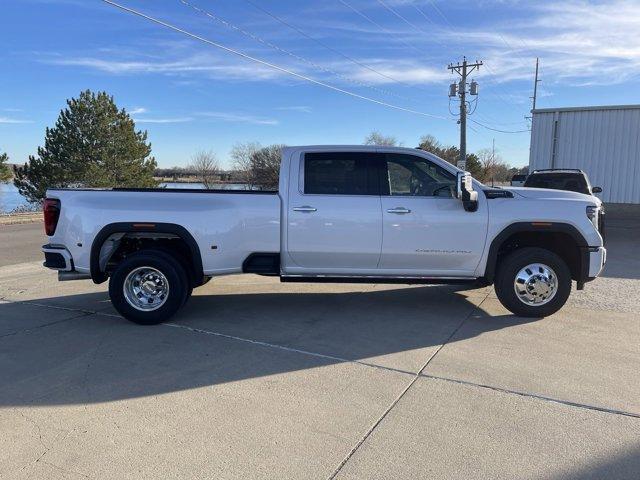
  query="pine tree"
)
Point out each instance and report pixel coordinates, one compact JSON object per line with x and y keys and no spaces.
{"x":93,"y":144}
{"x":5,"y":171}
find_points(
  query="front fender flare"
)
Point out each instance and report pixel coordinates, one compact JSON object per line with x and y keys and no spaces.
{"x":535,"y":227}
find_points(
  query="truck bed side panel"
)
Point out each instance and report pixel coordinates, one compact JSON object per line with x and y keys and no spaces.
{"x":235,"y":224}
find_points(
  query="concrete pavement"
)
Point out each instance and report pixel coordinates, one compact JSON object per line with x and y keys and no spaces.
{"x":257,"y":379}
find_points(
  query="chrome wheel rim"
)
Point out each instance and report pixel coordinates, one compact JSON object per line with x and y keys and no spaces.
{"x":536,"y":284}
{"x":146,"y":289}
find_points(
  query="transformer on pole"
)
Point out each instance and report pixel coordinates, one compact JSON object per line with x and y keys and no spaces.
{"x":463,"y":69}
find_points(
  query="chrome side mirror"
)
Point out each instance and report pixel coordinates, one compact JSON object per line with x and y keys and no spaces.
{"x":466,"y":193}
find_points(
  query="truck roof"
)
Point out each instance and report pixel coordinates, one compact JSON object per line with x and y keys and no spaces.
{"x":359,"y":148}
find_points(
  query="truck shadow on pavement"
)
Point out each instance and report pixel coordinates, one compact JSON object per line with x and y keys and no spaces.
{"x":80,"y":358}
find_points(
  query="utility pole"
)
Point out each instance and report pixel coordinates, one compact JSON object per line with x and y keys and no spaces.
{"x":460,"y":89}
{"x":535,"y":87}
{"x":535,"y":92}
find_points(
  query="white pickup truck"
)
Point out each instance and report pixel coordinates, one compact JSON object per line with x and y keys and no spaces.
{"x":341,"y":214}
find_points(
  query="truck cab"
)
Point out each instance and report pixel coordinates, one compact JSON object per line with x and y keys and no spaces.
{"x":377,"y":213}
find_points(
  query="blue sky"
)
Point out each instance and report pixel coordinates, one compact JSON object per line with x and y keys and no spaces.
{"x":191,"y":96}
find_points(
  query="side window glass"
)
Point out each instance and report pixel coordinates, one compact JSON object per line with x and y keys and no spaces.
{"x":341,"y":173}
{"x":409,"y":175}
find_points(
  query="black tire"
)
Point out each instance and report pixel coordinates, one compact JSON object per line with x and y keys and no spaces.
{"x":517,"y":260}
{"x":174,"y":274}
{"x":187,"y":295}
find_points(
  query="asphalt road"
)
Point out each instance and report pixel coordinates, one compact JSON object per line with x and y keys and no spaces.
{"x":21,"y":243}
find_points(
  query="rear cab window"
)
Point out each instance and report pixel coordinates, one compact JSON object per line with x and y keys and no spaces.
{"x":342,"y":173}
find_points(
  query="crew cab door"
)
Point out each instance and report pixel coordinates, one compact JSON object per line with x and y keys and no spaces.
{"x":334,"y":218}
{"x":426,"y":230}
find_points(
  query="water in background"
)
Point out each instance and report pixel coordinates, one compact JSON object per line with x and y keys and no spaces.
{"x":10,"y":199}
{"x":217,"y":186}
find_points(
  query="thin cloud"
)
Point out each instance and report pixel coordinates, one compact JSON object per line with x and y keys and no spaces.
{"x":163,"y":120}
{"x":7,"y":120}
{"x":239,"y":118}
{"x":205,"y":65}
{"x":137,"y":111}
{"x":578,"y":43}
{"x":296,"y":108}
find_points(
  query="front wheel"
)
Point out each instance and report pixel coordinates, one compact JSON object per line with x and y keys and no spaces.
{"x":533,"y":282}
{"x":148,"y":287}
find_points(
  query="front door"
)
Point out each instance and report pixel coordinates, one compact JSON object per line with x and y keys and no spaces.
{"x":426,"y":230}
{"x":334,"y":214}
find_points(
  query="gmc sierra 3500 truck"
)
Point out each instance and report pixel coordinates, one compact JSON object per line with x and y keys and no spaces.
{"x":341,"y":214}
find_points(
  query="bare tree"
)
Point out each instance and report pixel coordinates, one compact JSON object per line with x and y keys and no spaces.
{"x":241,"y":154}
{"x":265,"y":165}
{"x":206,"y":167}
{"x":257,"y":166}
{"x":494,"y":169}
{"x":377,"y":138}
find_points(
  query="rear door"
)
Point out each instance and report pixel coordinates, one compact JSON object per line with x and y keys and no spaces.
{"x":426,"y":230}
{"x":334,"y":218}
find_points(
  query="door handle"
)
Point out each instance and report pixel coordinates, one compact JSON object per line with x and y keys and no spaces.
{"x":399,"y":210}
{"x":305,"y":208}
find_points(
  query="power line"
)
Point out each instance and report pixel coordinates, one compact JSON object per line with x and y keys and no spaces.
{"x":411,"y":24}
{"x":426,"y":17}
{"x":265,"y":63}
{"x":490,"y":120}
{"x":246,"y":33}
{"x":373,"y":22}
{"x":437,"y":9}
{"x":324,"y":45}
{"x":498,"y":130}
{"x":456,"y":33}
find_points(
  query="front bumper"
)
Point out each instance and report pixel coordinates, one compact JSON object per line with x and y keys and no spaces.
{"x":57,"y":257}
{"x":597,"y":259}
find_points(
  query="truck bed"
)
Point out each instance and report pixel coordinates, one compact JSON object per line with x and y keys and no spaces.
{"x":227,"y":225}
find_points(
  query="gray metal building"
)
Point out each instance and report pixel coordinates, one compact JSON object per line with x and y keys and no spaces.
{"x":603,"y":141}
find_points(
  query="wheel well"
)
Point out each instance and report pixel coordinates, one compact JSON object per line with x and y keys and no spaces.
{"x":172,"y":245}
{"x":116,"y":241}
{"x":560,"y":243}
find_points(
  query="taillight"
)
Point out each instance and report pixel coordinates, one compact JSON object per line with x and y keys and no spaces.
{"x":51,"y":209}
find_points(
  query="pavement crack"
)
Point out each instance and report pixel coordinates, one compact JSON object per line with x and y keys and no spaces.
{"x":33,"y":329}
{"x":536,"y":396}
{"x":402,"y":393}
{"x":453,"y":334}
{"x":44,"y":445}
{"x":288,"y":349}
{"x":71,"y":472}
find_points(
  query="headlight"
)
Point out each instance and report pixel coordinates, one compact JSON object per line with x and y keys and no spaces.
{"x":592,"y":212}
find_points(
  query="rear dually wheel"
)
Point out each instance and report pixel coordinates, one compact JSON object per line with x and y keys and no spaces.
{"x":148,"y":287}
